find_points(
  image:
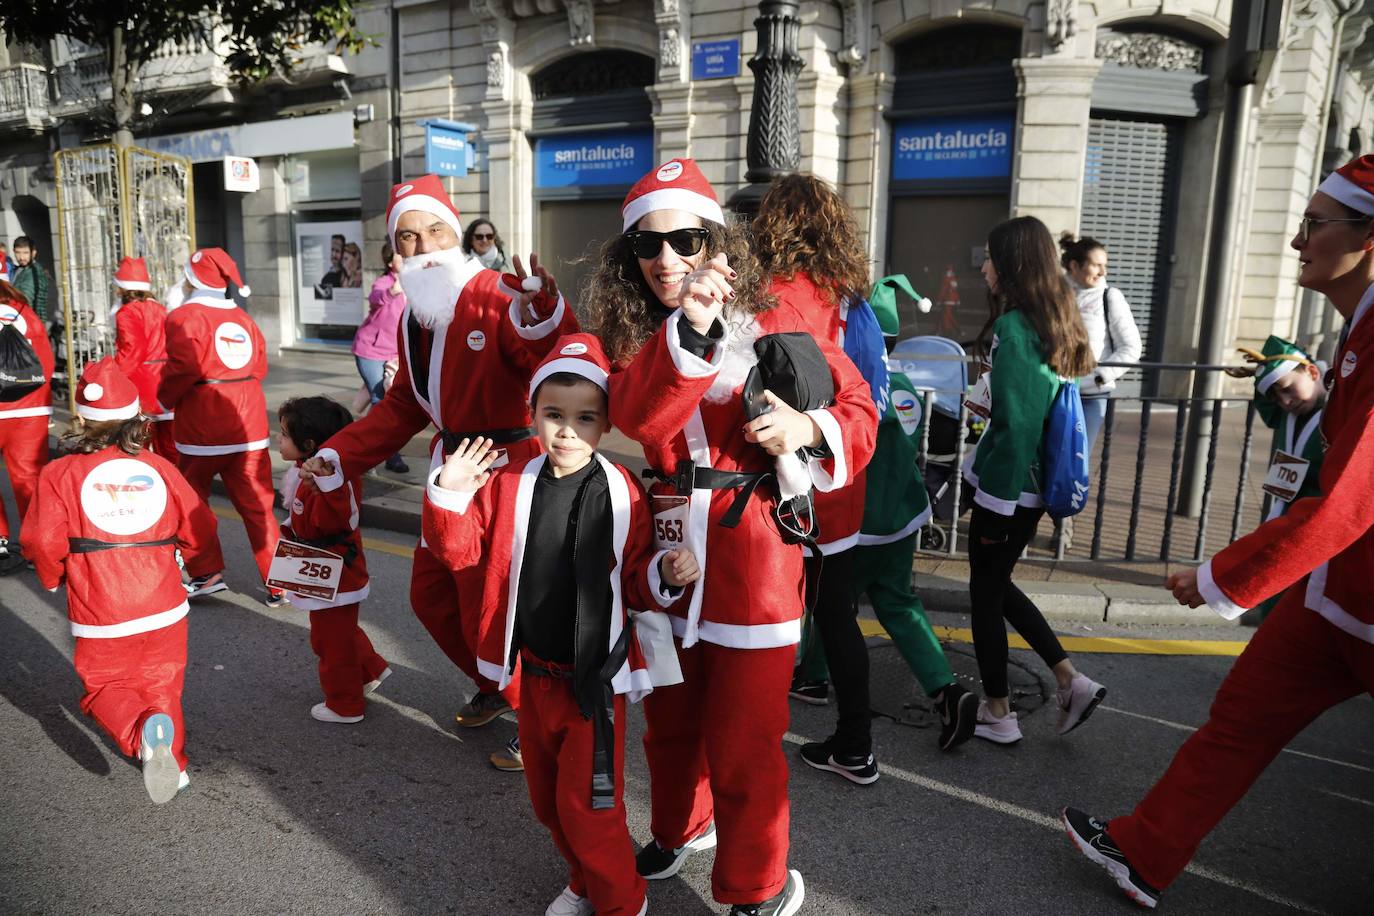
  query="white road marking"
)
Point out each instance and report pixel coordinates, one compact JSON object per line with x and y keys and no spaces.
{"x":1343,"y":796}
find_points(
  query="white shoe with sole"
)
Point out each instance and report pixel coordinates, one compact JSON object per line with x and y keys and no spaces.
{"x":1078,"y":702}
{"x":569,"y":904}
{"x":1005,"y":730}
{"x":372,"y":685}
{"x":161,"y":774}
{"x":322,"y":713}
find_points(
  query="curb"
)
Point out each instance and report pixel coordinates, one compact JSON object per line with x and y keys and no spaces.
{"x":1074,"y":602}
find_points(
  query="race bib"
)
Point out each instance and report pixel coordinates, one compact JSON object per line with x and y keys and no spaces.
{"x":305,"y":570}
{"x":233,"y":346}
{"x":979,"y":399}
{"x":1286,"y":474}
{"x":670,"y":521}
{"x":123,"y":496}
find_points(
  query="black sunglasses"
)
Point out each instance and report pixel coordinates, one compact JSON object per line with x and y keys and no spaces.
{"x":484,"y":236}
{"x":646,"y":244}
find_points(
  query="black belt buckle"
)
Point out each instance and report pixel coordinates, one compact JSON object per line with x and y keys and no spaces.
{"x":685,"y":478}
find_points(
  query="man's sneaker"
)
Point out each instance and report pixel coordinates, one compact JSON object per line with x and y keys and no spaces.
{"x":200,"y":586}
{"x":654,"y":862}
{"x":161,"y":773}
{"x":816,"y":693}
{"x":275,"y":598}
{"x":183,"y":781}
{"x":859,"y":769}
{"x":509,"y":760}
{"x":958,"y":710}
{"x":397,"y":465}
{"x":371,"y":686}
{"x":1090,"y":836}
{"x":999,"y":731}
{"x":787,"y":902}
{"x":1078,"y":702}
{"x":321,"y":712}
{"x":481,"y":709}
{"x":570,"y":904}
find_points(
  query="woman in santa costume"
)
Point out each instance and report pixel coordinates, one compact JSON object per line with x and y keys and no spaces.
{"x":678,"y":301}
{"x":23,"y":422}
{"x":141,"y":348}
{"x":107,"y":521}
{"x":470,"y":339}
{"x":216,"y":361}
{"x":1317,"y":648}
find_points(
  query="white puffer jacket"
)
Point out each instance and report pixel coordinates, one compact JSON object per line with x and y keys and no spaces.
{"x":1122,"y":345}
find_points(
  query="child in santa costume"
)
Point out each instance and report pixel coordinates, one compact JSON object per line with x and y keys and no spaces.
{"x":216,"y":361}
{"x":548,"y":530}
{"x":23,"y":422}
{"x":1317,"y":648}
{"x":470,"y":339}
{"x":141,"y":348}
{"x":107,"y":521}
{"x":679,"y":302}
{"x":322,"y":512}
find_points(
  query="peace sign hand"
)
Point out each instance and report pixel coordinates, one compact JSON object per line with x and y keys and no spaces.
{"x":468,"y":468}
{"x":537,"y":302}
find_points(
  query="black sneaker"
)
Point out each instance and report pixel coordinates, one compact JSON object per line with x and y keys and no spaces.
{"x":654,"y":862}
{"x":200,"y":586}
{"x":397,"y":465}
{"x":10,"y":562}
{"x":1090,"y":836}
{"x":481,"y":709}
{"x":958,"y":711}
{"x":276,"y":598}
{"x":816,"y":693}
{"x":787,"y":902}
{"x":859,"y":769}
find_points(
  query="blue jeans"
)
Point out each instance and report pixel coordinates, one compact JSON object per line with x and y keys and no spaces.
{"x":371,"y":371}
{"x":1094,"y":412}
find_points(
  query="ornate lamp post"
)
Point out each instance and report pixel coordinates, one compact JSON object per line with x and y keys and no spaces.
{"x":774,"y":145}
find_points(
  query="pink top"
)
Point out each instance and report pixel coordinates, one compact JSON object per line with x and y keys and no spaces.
{"x":376,"y":337}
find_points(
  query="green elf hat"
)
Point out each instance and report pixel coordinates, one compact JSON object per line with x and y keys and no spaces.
{"x":883,"y":299}
{"x":1278,"y":358}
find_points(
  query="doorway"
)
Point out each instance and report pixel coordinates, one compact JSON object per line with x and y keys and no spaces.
{"x":569,"y":240}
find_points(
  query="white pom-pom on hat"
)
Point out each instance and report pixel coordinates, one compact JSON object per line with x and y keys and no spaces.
{"x":93,"y":392}
{"x":924,"y":304}
{"x":531,"y":284}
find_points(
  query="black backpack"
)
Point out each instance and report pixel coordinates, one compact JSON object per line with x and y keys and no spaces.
{"x":20,"y":370}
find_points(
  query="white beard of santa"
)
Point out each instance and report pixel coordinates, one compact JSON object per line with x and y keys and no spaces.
{"x":432,"y":282}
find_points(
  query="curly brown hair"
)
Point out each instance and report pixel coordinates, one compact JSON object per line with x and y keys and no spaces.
{"x":620,"y":306}
{"x":804,"y":226}
{"x":87,"y":436}
{"x":129,"y":295}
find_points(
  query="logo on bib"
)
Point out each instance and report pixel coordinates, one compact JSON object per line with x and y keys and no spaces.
{"x":908,"y":411}
{"x":195,"y":258}
{"x":123,"y":496}
{"x":477,"y":340}
{"x":233,"y":345}
{"x":10,"y":315}
{"x":670,"y":172}
{"x":575,"y":348}
{"x":1348,"y":364}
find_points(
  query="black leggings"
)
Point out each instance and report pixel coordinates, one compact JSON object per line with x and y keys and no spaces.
{"x":996,"y":598}
{"x":836,"y":619}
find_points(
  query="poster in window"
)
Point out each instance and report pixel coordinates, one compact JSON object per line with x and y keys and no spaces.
{"x":329,"y":261}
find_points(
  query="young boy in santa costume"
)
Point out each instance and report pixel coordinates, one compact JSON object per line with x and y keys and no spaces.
{"x":322,"y":512}
{"x":23,"y":422}
{"x":550,"y":529}
{"x":216,"y":361}
{"x":1317,"y":648}
{"x":141,"y":348}
{"x":107,"y":521}
{"x":469,"y":340}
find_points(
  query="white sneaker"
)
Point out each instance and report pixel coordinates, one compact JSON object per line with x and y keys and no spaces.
{"x":183,"y":781}
{"x":999,"y":731}
{"x":1078,"y":702}
{"x":569,"y":904}
{"x":322,"y":713}
{"x":372,"y":685}
{"x":161,"y":774}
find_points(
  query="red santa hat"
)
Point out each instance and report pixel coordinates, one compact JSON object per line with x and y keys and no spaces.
{"x":132,"y":274}
{"x":105,"y":393}
{"x":425,"y":194}
{"x":675,"y":185}
{"x":580,"y":354}
{"x":1353,"y":185}
{"x":212,"y":269}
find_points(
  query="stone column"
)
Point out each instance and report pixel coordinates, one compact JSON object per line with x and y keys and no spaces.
{"x":671,"y":94}
{"x":1054,"y":96}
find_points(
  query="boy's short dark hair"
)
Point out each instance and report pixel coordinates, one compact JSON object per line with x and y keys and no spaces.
{"x":567,"y":380}
{"x":311,"y":421}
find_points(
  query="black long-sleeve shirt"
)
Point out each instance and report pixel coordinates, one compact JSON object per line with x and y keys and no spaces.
{"x":546,"y":609}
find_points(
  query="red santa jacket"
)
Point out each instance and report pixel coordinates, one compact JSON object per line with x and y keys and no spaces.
{"x":680,"y":407}
{"x":489,"y":528}
{"x":37,"y":403}
{"x":1328,"y":538}
{"x":216,"y":361}
{"x":478,"y":374}
{"x":328,"y":519}
{"x":110,"y":496}
{"x":141,"y":350}
{"x":840,"y":513}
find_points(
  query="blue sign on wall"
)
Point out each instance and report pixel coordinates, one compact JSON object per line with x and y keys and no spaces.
{"x":947,"y":148}
{"x":603,"y":158}
{"x":447,"y":150}
{"x":715,"y":59}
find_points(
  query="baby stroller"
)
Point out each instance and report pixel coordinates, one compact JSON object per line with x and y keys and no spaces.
{"x":937,"y":365}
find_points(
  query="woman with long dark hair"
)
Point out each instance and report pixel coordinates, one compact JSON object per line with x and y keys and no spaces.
{"x":678,"y":301}
{"x":483,"y":242}
{"x":1033,"y":341}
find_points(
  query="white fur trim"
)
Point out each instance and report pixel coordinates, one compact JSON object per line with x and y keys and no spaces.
{"x":207,"y":450}
{"x":689,"y":364}
{"x":875,"y":540}
{"x":1340,"y":188}
{"x":1337,"y":616}
{"x":132,"y":284}
{"x":698,"y":521}
{"x":657,"y":586}
{"x":839,"y":545}
{"x":491,"y":671}
{"x":425,"y":204}
{"x":672,"y":199}
{"x":448,"y":500}
{"x":524,"y":499}
{"x":127,"y":412}
{"x":834,"y":439}
{"x":212,"y":298}
{"x":743,"y":636}
{"x":1216,"y":599}
{"x":793,"y":475}
{"x":738,"y":358}
{"x":583,"y":367}
{"x":131,"y":627}
{"x":1276,"y":371}
{"x":306,"y":603}
{"x":333,"y":481}
{"x":542,"y":329}
{"x":25,"y":412}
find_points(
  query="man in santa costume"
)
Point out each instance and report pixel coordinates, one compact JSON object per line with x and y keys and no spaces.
{"x":1317,"y":648}
{"x":216,"y":361}
{"x":23,"y":422}
{"x":470,"y":339}
{"x":141,"y":347}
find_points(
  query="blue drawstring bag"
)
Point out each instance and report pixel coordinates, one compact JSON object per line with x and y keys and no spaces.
{"x":1065,"y":492}
{"x":863,"y":344}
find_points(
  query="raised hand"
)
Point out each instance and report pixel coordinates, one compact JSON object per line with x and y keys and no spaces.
{"x":705,"y":292}
{"x":783,"y":429}
{"x":468,"y":468}
{"x":679,"y":567}
{"x":538,"y":290}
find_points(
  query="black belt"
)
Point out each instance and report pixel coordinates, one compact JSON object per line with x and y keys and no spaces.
{"x":528,"y":666}
{"x":224,"y":381}
{"x":497,"y":436}
{"x":689,"y":477}
{"x":91,"y":545}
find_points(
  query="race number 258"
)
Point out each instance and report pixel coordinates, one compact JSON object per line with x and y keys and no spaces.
{"x":310,"y":570}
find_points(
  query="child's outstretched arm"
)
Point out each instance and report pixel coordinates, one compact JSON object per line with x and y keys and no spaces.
{"x":454,"y":520}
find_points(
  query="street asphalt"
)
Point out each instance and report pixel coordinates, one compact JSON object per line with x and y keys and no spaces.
{"x":402,"y":813}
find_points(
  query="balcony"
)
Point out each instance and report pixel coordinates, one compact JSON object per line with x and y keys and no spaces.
{"x":24,"y":97}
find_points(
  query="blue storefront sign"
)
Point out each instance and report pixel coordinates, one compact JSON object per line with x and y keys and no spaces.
{"x":602,"y":158}
{"x":447,"y":150}
{"x":941,"y":149}
{"x":713,"y":60}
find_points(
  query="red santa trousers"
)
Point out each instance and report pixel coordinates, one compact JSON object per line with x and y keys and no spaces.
{"x":556,"y":745}
{"x":714,"y":746}
{"x":24,"y":446}
{"x":247,"y":478}
{"x":449,"y":605}
{"x":162,"y":440}
{"x":128,"y":678}
{"x":1296,"y":667}
{"x":347,"y":659}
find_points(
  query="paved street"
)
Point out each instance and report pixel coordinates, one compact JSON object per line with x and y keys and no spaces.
{"x":401,"y":814}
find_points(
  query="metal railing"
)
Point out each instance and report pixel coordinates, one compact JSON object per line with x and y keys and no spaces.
{"x":24,"y":96}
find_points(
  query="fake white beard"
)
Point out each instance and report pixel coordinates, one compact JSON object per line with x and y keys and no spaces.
{"x":740,"y":333}
{"x":432,"y":282}
{"x":176,"y":294}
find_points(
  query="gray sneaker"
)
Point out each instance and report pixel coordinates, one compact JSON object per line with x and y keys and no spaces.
{"x":787,"y":902}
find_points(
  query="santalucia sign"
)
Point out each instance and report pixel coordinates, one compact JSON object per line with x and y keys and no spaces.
{"x":592,"y":158}
{"x":942,"y":149}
